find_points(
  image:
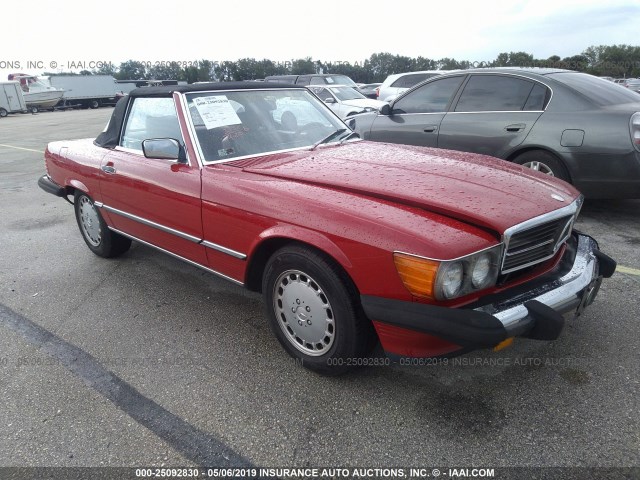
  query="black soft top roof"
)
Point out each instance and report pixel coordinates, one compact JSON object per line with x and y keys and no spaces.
{"x":167,"y":90}
{"x":111,"y":136}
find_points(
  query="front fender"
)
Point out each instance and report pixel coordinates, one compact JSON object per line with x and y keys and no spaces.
{"x":304,"y":235}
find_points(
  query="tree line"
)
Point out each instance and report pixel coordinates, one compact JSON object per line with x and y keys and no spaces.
{"x":618,"y":61}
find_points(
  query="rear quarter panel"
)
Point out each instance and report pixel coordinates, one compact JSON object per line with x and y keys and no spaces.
{"x":606,"y":152}
{"x":75,"y":164}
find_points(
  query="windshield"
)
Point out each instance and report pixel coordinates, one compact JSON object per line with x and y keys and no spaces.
{"x":602,"y":92}
{"x":340,"y":80}
{"x":231,"y":124}
{"x":346,"y":93}
{"x":34,"y":83}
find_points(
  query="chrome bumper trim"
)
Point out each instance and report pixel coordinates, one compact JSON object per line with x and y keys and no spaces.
{"x":563,"y":295}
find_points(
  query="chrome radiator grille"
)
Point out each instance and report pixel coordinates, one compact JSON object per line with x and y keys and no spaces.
{"x":535,"y":244}
{"x":538,"y":239}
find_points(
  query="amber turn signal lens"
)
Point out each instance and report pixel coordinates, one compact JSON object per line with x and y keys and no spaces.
{"x":417,"y":274}
{"x":503,"y":344}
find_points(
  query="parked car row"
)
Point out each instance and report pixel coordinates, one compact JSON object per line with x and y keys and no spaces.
{"x":573,"y":126}
{"x":314,"y":79}
{"x":398,"y":83}
{"x":345,"y":101}
{"x":369,"y":90}
{"x":623,"y":81}
{"x":632,"y":84}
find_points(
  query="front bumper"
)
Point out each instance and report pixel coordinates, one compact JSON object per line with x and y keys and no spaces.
{"x":536,"y":312}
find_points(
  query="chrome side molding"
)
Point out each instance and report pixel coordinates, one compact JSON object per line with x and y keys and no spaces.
{"x":179,"y":257}
{"x":172,"y":231}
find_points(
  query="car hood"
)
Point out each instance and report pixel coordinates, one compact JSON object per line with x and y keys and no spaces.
{"x":364,"y":103}
{"x":477,"y":189}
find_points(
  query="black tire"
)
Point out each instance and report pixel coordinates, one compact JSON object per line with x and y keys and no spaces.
{"x":34,"y":110}
{"x":300,"y":283}
{"x":544,"y":162}
{"x":3,"y":113}
{"x":94,"y":104}
{"x":100,"y":240}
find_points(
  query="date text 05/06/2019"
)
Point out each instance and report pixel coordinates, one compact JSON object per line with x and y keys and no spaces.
{"x":348,"y":473}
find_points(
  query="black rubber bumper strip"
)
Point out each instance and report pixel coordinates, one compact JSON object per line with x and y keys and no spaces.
{"x":49,"y":186}
{"x":547,"y":322}
{"x":467,"y":328}
{"x":606,"y":264}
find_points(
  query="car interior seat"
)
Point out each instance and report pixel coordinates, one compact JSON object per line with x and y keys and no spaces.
{"x":289,"y":121}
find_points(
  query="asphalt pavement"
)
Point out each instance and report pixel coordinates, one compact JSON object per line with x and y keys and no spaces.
{"x":146,"y":361}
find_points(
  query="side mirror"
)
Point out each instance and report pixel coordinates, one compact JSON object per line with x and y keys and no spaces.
{"x":329,"y":100}
{"x":385,"y":109}
{"x":164,"y":148}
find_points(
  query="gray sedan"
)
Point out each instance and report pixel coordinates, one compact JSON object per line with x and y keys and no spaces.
{"x":574,"y":126}
{"x":633,"y":84}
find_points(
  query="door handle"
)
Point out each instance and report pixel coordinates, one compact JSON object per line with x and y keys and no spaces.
{"x":516,"y":127}
{"x":108,"y":169}
{"x":430,"y":128}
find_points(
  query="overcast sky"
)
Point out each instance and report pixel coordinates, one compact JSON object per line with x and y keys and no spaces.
{"x":62,"y":31}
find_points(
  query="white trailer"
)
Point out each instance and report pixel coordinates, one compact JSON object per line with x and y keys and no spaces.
{"x":89,"y":91}
{"x":11,"y":98}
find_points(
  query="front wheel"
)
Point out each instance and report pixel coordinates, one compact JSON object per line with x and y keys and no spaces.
{"x":100,"y":240}
{"x":543,"y":162}
{"x":314,"y":311}
{"x":3,"y":113}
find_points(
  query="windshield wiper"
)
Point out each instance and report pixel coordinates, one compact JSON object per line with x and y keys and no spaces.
{"x":349,"y":135}
{"x":328,"y":137}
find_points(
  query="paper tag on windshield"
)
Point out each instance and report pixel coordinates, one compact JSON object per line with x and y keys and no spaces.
{"x":216,"y":111}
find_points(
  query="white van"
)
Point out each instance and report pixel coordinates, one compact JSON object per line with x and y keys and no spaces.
{"x":11,"y":98}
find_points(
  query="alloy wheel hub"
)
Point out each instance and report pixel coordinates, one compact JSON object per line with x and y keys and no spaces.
{"x":304,"y":313}
{"x":90,"y":222}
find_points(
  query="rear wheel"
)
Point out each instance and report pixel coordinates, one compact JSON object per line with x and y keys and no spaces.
{"x":314,"y":311}
{"x":94,"y":104}
{"x":100,"y":240}
{"x":3,"y":112}
{"x":543,"y":162}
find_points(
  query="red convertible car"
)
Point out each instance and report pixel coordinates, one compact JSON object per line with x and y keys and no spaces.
{"x":429,"y":252}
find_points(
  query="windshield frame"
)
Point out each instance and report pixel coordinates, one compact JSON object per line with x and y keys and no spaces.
{"x":191,"y":127}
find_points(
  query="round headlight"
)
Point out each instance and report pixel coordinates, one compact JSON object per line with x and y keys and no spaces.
{"x":481,"y":271}
{"x":452,"y":278}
